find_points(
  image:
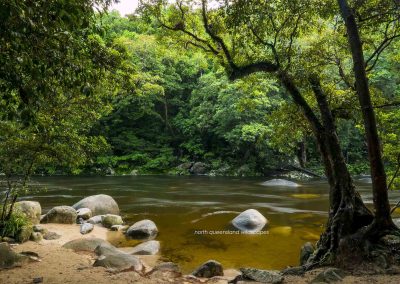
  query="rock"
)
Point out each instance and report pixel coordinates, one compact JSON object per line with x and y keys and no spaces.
{"x":110,"y":171}
{"x":60,"y":215}
{"x":9,"y":258}
{"x":84,"y":213}
{"x":280,"y":183}
{"x":250,"y":221}
{"x":198,"y":168}
{"x":36,"y":237}
{"x":24,"y":234}
{"x":134,"y":173}
{"x":86,"y":228}
{"x":305,"y":252}
{"x":114,"y":259}
{"x":185,"y":166}
{"x":51,"y":236}
{"x":95,"y":219}
{"x":297,"y":270}
{"x":40,"y":229}
{"x":396,"y":221}
{"x":8,"y":240}
{"x":263,"y":276}
{"x":145,"y":229}
{"x":85,"y":244}
{"x":391,"y":241}
{"x":110,"y":220}
{"x":167,"y":266}
{"x":122,"y":228}
{"x":209,"y":269}
{"x":31,"y":209}
{"x":100,"y":204}
{"x":329,"y":275}
{"x":37,"y":280}
{"x":146,"y":248}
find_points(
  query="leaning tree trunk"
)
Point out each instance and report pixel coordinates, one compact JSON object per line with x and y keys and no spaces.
{"x":347,"y":213}
{"x":383,"y":220}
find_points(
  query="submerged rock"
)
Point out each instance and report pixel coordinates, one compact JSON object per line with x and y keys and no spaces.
{"x":86,"y":228}
{"x":263,"y":276}
{"x":145,"y":229}
{"x":329,"y":275}
{"x":249,"y":221}
{"x":280,"y":182}
{"x":30,"y":209}
{"x":209,"y":269}
{"x":305,"y":252}
{"x":146,"y":248}
{"x":110,"y":220}
{"x":100,"y":204}
{"x":60,"y":215}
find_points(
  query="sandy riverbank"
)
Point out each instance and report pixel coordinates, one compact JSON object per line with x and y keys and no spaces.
{"x":59,"y":265}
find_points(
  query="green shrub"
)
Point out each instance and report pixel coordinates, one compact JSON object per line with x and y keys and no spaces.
{"x":13,"y":226}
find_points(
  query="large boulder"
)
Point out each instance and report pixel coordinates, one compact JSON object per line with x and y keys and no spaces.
{"x":146,"y":248}
{"x":250,"y":221}
{"x":9,"y":258}
{"x":100,"y":204}
{"x":85,"y":244}
{"x":116,"y":260}
{"x":110,"y":220}
{"x":31,"y":209}
{"x":263,"y":276}
{"x":280,"y":183}
{"x":142,"y":230}
{"x":60,"y":215}
{"x":209,"y":269}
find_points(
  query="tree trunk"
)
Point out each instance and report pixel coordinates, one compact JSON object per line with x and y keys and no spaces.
{"x":379,"y":185}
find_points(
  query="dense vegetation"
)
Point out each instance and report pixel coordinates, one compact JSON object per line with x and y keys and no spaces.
{"x":241,"y":88}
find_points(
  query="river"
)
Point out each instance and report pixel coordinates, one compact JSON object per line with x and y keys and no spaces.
{"x":180,"y":206}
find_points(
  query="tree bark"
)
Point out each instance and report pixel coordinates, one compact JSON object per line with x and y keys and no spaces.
{"x":379,"y":184}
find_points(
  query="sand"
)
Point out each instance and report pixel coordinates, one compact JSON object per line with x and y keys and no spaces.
{"x":59,"y":265}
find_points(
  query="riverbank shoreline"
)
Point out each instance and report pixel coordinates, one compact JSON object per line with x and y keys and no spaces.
{"x":60,"y":265}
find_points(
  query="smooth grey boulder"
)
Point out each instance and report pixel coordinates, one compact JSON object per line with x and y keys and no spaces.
{"x":100,"y":204}
{"x":250,"y":221}
{"x":95,"y":219}
{"x":145,"y":229}
{"x":31,"y":209}
{"x":110,"y":220}
{"x":84,"y":213}
{"x":146,"y":248}
{"x":85,"y":244}
{"x":9,"y":258}
{"x":116,"y":260}
{"x":209,"y":269}
{"x":60,"y":215}
{"x":305,"y":252}
{"x":280,"y":182}
{"x":329,"y":275}
{"x":263,"y":276}
{"x":86,"y":228}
